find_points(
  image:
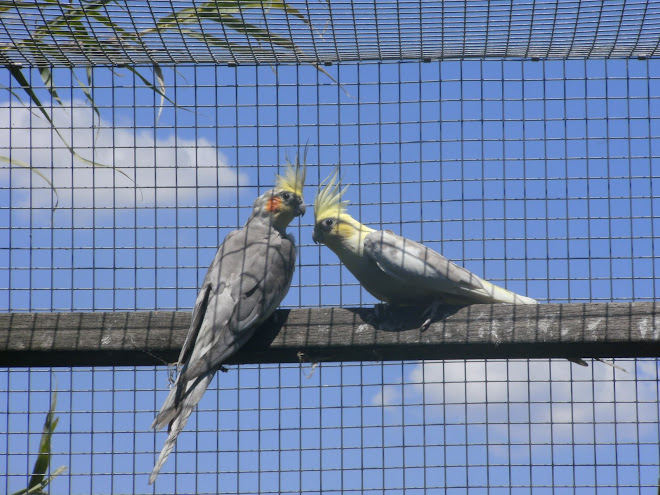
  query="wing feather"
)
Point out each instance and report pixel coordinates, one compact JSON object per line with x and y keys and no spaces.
{"x":247,"y":280}
{"x":197,"y":317}
{"x":407,"y":260}
{"x":413,"y":263}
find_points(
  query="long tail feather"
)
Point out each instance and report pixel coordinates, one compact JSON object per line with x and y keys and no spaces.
{"x":501,"y":295}
{"x":177,"y":415}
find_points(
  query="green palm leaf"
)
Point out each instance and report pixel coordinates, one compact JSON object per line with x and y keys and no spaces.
{"x":39,"y":479}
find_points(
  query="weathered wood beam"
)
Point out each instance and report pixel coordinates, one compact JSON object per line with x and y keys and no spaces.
{"x":336,"y":334}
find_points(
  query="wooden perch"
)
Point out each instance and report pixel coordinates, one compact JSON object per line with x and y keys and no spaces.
{"x":336,"y":334}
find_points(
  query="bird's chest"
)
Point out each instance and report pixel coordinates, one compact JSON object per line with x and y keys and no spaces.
{"x":381,"y":285}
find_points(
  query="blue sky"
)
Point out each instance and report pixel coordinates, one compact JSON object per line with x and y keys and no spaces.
{"x":540,"y":176}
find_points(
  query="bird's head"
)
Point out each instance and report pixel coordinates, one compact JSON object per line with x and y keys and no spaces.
{"x":333,"y":226}
{"x":285,"y":201}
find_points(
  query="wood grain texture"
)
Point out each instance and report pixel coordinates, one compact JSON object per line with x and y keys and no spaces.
{"x":336,"y":334}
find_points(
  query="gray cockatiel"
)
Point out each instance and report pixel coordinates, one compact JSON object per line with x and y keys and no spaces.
{"x":394,"y":269}
{"x":397,"y":270}
{"x":249,"y":277}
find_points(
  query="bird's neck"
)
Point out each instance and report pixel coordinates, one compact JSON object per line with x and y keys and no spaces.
{"x":352,"y":234}
{"x":279,"y":222}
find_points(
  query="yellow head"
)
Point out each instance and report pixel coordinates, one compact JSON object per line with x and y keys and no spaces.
{"x":285,"y":200}
{"x":333,"y":226}
{"x":293,"y":179}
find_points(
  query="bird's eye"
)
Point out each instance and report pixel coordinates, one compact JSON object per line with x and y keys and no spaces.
{"x":329,"y":222}
{"x":286,"y":196}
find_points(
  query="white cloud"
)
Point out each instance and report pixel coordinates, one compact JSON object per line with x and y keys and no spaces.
{"x":471,"y":381}
{"x":532,"y":402}
{"x":546,"y":398}
{"x":388,"y":395}
{"x":169,"y":171}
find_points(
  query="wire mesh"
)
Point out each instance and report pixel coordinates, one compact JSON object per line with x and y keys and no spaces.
{"x":540,"y":176}
{"x":496,"y":426}
{"x":167,"y":32}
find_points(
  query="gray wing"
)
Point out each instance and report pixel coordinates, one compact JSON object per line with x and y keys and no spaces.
{"x":247,"y":280}
{"x":413,"y":263}
{"x":199,"y":311}
{"x":185,"y":394}
{"x":245,"y":286}
{"x":242,"y":287}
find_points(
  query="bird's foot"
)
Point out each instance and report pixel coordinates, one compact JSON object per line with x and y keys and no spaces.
{"x":172,"y":370}
{"x":304,"y":358}
{"x":223,"y":369}
{"x":431,"y":313}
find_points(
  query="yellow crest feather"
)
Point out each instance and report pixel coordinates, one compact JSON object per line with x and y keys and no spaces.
{"x":293,"y":179}
{"x":328,"y":202}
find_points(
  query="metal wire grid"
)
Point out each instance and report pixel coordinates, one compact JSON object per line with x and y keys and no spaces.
{"x":539,"y":175}
{"x":338,"y":31}
{"x":496,"y":427}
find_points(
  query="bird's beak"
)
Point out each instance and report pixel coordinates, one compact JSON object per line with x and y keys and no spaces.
{"x":316,"y":236}
{"x":301,"y":209}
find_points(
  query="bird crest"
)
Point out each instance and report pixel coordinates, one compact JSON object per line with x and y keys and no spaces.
{"x":328,"y":202}
{"x":293,"y":179}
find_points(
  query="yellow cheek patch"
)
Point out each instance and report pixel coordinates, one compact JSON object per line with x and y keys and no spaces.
{"x":345,"y":230}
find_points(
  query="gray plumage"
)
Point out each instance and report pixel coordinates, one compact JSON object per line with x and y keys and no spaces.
{"x":400,"y":271}
{"x":394,"y":269}
{"x":248,"y":278}
{"x":415,"y":274}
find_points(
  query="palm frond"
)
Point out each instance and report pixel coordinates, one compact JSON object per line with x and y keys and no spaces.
{"x":73,"y":25}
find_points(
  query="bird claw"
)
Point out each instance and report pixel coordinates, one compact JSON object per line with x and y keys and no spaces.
{"x":431,"y":313}
{"x":223,"y":369}
{"x":172,"y":370}
{"x":304,"y":358}
{"x":425,"y":326}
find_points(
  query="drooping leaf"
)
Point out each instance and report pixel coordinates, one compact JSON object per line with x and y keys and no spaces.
{"x":47,"y":77}
{"x":240,"y":26}
{"x":18,"y":96}
{"x":43,"y":460}
{"x":11,"y":4}
{"x":18,"y":75}
{"x":113,"y":26}
{"x":158,"y":73}
{"x":86,"y":89}
{"x":39,"y":489}
{"x":329,"y":76}
{"x":218,"y":8}
{"x":72,"y":27}
{"x":234,"y":48}
{"x":39,"y":480}
{"x":146,"y":81}
{"x":22,"y":164}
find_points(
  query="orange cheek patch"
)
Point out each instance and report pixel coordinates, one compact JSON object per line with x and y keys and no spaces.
{"x":273,"y":204}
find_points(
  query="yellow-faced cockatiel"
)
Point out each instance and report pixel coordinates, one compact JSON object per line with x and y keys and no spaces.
{"x":397,"y":270}
{"x":249,"y":277}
